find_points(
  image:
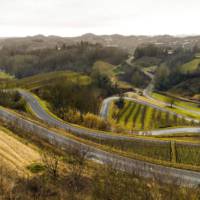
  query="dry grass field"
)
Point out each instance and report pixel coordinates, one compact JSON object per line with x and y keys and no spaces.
{"x":14,"y":153}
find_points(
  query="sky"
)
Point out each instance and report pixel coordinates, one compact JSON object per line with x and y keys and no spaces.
{"x":77,"y":17}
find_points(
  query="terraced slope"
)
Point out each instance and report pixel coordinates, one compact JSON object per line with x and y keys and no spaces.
{"x":135,"y":116}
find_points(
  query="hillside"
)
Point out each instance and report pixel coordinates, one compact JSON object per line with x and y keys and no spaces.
{"x":127,"y":42}
{"x":134,"y":116}
{"x":113,"y":72}
{"x":190,"y":66}
{"x":41,"y":80}
{"x":14,"y":153}
{"x":79,"y":57}
{"x":189,"y":88}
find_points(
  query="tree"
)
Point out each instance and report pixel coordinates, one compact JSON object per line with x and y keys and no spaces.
{"x":120,"y":102}
{"x":171,"y":101}
{"x":51,"y":163}
{"x":77,"y":158}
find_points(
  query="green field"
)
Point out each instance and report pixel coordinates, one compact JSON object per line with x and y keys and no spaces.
{"x":41,"y":80}
{"x":184,"y":104}
{"x":5,"y":76}
{"x":136,"y":116}
{"x":104,"y":68}
{"x":190,"y":66}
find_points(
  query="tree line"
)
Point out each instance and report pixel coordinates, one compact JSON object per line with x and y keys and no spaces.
{"x":79,"y":57}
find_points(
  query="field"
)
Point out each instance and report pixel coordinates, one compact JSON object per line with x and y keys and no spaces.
{"x":37,"y":81}
{"x":112,"y":72}
{"x":190,"y":66}
{"x":104,"y":68}
{"x":5,"y":76}
{"x":14,"y":153}
{"x":136,"y":116}
{"x":164,"y":98}
{"x":188,"y":88}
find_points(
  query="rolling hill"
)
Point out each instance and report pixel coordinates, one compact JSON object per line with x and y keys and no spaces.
{"x":127,"y":42}
{"x":41,"y":80}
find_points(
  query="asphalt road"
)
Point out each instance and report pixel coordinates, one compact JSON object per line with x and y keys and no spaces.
{"x":80,"y":131}
{"x":43,"y":115}
{"x":145,"y":169}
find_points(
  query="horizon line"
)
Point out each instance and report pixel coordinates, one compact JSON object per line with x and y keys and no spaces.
{"x":125,"y":35}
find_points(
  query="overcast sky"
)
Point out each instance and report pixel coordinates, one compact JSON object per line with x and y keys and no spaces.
{"x":76,"y":17}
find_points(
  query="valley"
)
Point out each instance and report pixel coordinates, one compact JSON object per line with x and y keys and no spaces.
{"x":119,"y":108}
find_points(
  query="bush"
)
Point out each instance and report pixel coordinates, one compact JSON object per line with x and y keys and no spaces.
{"x":93,"y":121}
{"x":12,"y":99}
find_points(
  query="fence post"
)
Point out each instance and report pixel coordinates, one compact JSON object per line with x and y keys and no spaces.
{"x":173,"y":151}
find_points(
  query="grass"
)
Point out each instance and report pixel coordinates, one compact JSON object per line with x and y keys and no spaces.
{"x":36,"y":168}
{"x":4,"y":75}
{"x":41,"y":80}
{"x":104,"y":68}
{"x":14,"y":153}
{"x":190,"y":66}
{"x":187,"y":105}
{"x":135,"y":116}
{"x":188,"y":154}
{"x":112,"y":72}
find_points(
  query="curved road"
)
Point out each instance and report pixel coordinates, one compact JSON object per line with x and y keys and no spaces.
{"x":43,"y":115}
{"x":142,"y":168}
{"x":78,"y":130}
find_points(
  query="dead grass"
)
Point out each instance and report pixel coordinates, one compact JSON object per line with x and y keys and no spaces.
{"x":15,"y":154}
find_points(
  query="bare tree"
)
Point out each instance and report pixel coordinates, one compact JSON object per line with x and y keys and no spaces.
{"x":51,"y":163}
{"x":77,"y":159}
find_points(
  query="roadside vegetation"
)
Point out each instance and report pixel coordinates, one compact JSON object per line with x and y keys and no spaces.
{"x":69,"y":175}
{"x":74,"y":97}
{"x":12,"y":99}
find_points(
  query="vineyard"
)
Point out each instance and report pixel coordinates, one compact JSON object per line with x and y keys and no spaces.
{"x":135,"y":116}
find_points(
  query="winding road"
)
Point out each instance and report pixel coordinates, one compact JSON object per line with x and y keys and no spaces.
{"x":142,"y":168}
{"x":146,"y":169}
{"x":42,"y":114}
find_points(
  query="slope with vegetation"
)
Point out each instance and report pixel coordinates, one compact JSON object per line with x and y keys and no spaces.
{"x":134,"y":116}
{"x":78,"y":57}
{"x":69,"y":175}
{"x":15,"y":153}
